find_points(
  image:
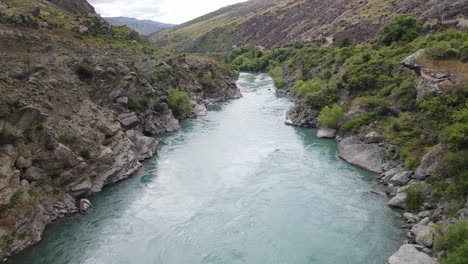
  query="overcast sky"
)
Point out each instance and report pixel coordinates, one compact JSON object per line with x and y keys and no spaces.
{"x":167,"y":11}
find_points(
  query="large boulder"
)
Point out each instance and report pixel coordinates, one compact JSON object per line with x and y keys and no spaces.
{"x":200,"y":110}
{"x":129,"y":120}
{"x":145,"y":146}
{"x":401,"y":178}
{"x":374,"y":137}
{"x":398,"y":201}
{"x":424,"y":235}
{"x":431,"y":163}
{"x":324,"y":132}
{"x":27,"y":118}
{"x":408,"y":254}
{"x":367,"y":156}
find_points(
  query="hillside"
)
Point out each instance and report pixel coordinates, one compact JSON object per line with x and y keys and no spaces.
{"x":145,"y":27}
{"x":80,"y":103}
{"x":270,"y":23}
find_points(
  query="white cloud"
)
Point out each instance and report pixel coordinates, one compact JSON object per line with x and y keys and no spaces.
{"x":168,"y":11}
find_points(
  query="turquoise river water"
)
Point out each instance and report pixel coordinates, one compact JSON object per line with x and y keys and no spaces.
{"x":237,"y":186}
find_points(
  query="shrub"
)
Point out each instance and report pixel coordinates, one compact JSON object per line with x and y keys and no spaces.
{"x":331,"y":117}
{"x":401,"y":28}
{"x":412,"y":163}
{"x":137,"y":102}
{"x":456,"y":167}
{"x":414,"y":198}
{"x":303,"y":88}
{"x":67,"y":139}
{"x":84,"y":72}
{"x":179,"y":102}
{"x":455,"y":242}
{"x":441,"y":51}
{"x":359,"y":121}
{"x":455,"y":136}
{"x":279,"y":82}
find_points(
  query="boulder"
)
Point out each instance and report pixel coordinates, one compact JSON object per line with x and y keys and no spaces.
{"x":401,"y":178}
{"x":129,"y":120}
{"x":324,"y":132}
{"x":374,"y":137}
{"x":23,"y":163}
{"x":85,"y":204}
{"x":145,"y":146}
{"x":388,"y":175}
{"x":33,"y":174}
{"x":408,"y":254}
{"x":82,"y":186}
{"x":424,"y":235}
{"x":431,"y":163}
{"x":27,"y":118}
{"x":398,"y":201}
{"x":200,"y":110}
{"x":367,"y":156}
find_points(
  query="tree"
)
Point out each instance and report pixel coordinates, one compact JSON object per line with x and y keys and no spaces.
{"x":401,"y":28}
{"x":331,"y":117}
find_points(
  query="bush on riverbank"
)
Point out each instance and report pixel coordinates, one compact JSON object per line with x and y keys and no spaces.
{"x":455,"y":242}
{"x":179,"y":102}
{"x":331,"y":117}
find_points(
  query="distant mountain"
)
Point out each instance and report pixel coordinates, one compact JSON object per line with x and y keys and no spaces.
{"x":270,"y":23}
{"x":145,"y":27}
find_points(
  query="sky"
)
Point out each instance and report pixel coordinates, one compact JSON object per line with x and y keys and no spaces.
{"x":166,"y":11}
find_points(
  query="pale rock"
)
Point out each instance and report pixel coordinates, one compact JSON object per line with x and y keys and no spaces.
{"x":324,"y":132}
{"x":408,"y":254}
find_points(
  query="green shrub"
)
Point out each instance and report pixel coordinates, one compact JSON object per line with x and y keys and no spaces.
{"x":402,"y":28}
{"x":179,"y":102}
{"x":303,"y":88}
{"x":84,"y":72}
{"x":412,"y":163}
{"x":331,"y":117}
{"x":456,"y":167}
{"x":441,"y":51}
{"x":414,"y":198}
{"x":67,"y":139}
{"x":137,"y":102}
{"x":455,"y":136}
{"x":279,"y":82}
{"x":455,"y":242}
{"x":359,"y":121}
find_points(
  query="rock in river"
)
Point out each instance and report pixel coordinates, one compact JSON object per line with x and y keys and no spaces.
{"x":367,"y":156}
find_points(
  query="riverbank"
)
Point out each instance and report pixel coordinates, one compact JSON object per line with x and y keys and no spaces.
{"x":235,"y":185}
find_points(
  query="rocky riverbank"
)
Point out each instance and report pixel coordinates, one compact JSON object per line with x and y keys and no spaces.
{"x":374,"y":152}
{"x":77,"y":115}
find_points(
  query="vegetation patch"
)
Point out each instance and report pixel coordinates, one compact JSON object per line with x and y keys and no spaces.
{"x":455,"y":242}
{"x":179,"y":102}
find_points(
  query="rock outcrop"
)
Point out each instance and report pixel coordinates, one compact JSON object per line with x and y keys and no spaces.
{"x":408,"y":254}
{"x":367,"y":156}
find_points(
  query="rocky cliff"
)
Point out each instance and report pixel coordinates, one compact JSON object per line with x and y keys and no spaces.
{"x":271,"y":23}
{"x":80,"y":102}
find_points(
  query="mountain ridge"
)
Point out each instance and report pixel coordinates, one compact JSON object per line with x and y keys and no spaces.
{"x":271,"y":23}
{"x":145,"y":27}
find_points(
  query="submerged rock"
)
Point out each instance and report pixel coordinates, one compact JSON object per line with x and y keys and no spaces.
{"x":408,"y":254}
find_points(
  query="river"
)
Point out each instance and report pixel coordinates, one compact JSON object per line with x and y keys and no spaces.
{"x":236,"y":186}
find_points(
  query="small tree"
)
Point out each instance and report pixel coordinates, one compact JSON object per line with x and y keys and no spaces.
{"x":179,"y":102}
{"x":331,"y":117}
{"x":401,"y":28}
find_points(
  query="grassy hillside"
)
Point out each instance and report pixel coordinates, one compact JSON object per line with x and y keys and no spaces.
{"x":270,"y":23}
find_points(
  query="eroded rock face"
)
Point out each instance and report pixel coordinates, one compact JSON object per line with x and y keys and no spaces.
{"x":408,"y":254}
{"x":368,"y":156}
{"x":425,"y":79}
{"x":431,"y":163}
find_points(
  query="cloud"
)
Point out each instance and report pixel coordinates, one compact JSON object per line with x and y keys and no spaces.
{"x":168,"y":11}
